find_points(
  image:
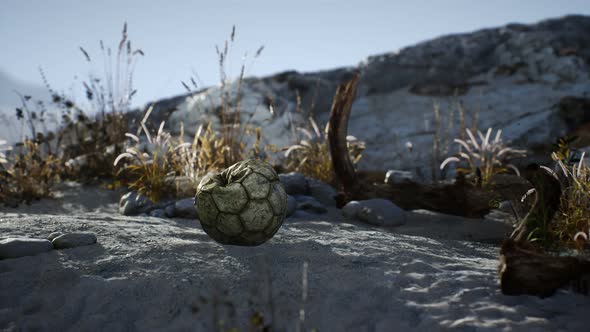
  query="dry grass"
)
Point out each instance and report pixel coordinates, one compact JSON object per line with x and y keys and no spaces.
{"x":224,"y":146}
{"x":310,"y":153}
{"x":109,"y":97}
{"x":148,"y":166}
{"x":572,"y":224}
{"x":485,"y":157}
{"x":84,"y":147}
{"x":444,"y":127}
{"x":29,"y":174}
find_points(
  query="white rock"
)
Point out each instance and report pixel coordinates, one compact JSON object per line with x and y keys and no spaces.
{"x":291,"y":205}
{"x":22,"y":246}
{"x":134,"y":204}
{"x":170,"y":211}
{"x":351,"y":209}
{"x":380,"y":212}
{"x":323,"y":192}
{"x":72,"y":240}
{"x":310,"y":204}
{"x":391,"y":109}
{"x":53,"y":235}
{"x":158,"y":213}
{"x":185,"y":208}
{"x":395,"y":176}
{"x":294,"y":183}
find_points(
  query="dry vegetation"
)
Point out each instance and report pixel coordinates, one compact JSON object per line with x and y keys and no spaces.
{"x":572,"y":226}
{"x":484,"y":158}
{"x":101,"y":148}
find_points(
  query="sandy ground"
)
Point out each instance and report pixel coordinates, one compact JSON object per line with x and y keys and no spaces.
{"x":150,"y":274}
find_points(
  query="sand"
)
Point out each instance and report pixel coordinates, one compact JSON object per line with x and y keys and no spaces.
{"x":150,"y":274}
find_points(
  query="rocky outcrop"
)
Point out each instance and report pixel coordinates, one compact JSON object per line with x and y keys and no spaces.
{"x":519,"y":78}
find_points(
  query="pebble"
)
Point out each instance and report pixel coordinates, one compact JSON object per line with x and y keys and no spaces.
{"x":323,"y":192}
{"x":158,"y":213}
{"x":378,"y":211}
{"x":23,"y":246}
{"x":395,"y":176}
{"x":310,"y":204}
{"x":294,"y":183}
{"x":72,"y":240}
{"x":185,"y":208}
{"x":169,"y":211}
{"x":132,"y":204}
{"x":53,"y":235}
{"x":291,"y":205}
{"x":351,"y":209}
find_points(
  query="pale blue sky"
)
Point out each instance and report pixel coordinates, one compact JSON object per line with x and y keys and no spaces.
{"x":179,"y":37}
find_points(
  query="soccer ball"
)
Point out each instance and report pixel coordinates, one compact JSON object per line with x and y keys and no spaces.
{"x":243,"y":205}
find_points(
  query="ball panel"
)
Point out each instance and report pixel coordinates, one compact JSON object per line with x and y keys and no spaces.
{"x":216,"y":235}
{"x":278,"y":198}
{"x":253,"y":238}
{"x":264,"y":169}
{"x":206,"y":208}
{"x":267,"y":171}
{"x":257,"y":186}
{"x":208,"y":182}
{"x":256,"y":215}
{"x":229,"y":224}
{"x":230,"y":198}
{"x":274,"y":226}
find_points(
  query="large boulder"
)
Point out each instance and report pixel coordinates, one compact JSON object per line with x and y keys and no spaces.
{"x":519,"y":78}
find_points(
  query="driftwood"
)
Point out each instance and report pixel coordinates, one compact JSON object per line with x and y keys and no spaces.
{"x":523,"y":268}
{"x":460,"y":198}
{"x":525,"y":271}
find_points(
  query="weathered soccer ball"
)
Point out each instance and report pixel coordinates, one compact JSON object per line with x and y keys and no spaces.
{"x":243,"y":205}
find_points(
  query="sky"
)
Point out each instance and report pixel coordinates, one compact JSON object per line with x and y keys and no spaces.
{"x":179,"y":37}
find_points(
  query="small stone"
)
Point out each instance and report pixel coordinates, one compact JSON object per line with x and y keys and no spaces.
{"x":381,"y":212}
{"x":294,"y":183}
{"x":310,"y":204}
{"x":395,"y":176}
{"x":132,"y":204}
{"x":323,"y":192}
{"x":170,"y":210}
{"x":158,"y":213}
{"x":53,"y":235}
{"x":22,"y":246}
{"x":185,"y":208}
{"x":291,"y":205}
{"x":351,"y":209}
{"x":72,"y":240}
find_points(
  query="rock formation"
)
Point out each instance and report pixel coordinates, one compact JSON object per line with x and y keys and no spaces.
{"x":520,"y":78}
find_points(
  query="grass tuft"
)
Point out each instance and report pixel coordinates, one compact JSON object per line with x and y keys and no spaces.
{"x":485,"y":157}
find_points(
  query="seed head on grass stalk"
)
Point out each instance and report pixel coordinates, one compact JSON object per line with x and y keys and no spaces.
{"x":486,"y":157}
{"x":310,"y":154}
{"x":226,"y":143}
{"x":32,"y":173}
{"x":148,"y":170}
{"x":574,"y":213}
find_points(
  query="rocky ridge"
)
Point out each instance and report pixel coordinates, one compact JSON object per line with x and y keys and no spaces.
{"x":531,"y":81}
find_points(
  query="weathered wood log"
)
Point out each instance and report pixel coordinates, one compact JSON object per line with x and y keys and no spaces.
{"x":524,"y":269}
{"x":547,"y":201}
{"x":337,"y":129}
{"x":460,"y":198}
